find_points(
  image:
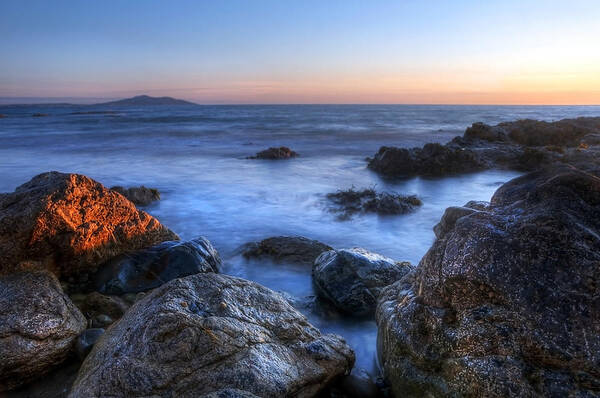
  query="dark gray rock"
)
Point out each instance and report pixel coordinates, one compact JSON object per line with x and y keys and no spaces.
{"x":523,"y":145}
{"x":209,"y":332}
{"x":451,"y":215}
{"x":38,"y":326}
{"x":140,"y":196}
{"x":86,"y":341}
{"x":55,"y":384}
{"x":351,"y":279}
{"x":351,"y":201}
{"x":229,"y":393}
{"x":275,"y":154}
{"x":507,"y":302}
{"x":147,"y":269}
{"x":290,"y":249}
{"x":431,"y":160}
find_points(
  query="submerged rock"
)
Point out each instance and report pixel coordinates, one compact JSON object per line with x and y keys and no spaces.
{"x":352,"y":279}
{"x":70,"y":224}
{"x":140,"y":196}
{"x":507,"y":300}
{"x":275,"y":154}
{"x":350,"y":202}
{"x":147,"y":269}
{"x":431,"y":160}
{"x":38,"y":326}
{"x":208,"y":332}
{"x":291,"y":249}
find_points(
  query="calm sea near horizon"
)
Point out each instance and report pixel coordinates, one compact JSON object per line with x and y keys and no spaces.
{"x":196,"y":157}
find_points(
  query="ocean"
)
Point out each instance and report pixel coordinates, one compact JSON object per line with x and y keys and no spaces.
{"x":196,"y":157}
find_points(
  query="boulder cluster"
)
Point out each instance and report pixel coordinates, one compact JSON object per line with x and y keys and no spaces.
{"x":522,"y":145}
{"x":97,"y":298}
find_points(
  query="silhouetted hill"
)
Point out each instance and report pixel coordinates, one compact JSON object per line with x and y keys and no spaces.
{"x":147,"y":100}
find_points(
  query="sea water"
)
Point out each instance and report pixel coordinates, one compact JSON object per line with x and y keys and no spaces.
{"x":196,"y":157}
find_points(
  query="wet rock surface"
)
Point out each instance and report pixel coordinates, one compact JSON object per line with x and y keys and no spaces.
{"x":275,"y":154}
{"x":146,"y":269}
{"x":507,"y":300}
{"x":523,"y":145}
{"x":290,"y":249}
{"x":431,"y":160}
{"x":208,"y":332}
{"x":70,"y":223}
{"x":140,"y":196}
{"x":352,"y":201}
{"x":352,"y":279}
{"x":38,"y":326}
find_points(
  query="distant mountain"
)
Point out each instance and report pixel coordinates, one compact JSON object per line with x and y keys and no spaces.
{"x":146,"y":100}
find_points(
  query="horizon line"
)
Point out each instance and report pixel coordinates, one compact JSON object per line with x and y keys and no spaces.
{"x":108,"y":99}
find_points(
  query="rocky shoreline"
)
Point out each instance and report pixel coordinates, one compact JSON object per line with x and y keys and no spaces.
{"x":99,"y":298}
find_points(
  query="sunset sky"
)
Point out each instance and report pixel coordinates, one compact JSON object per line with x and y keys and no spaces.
{"x":463,"y":52}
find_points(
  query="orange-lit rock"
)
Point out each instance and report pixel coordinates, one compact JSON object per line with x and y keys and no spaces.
{"x":71,"y":224}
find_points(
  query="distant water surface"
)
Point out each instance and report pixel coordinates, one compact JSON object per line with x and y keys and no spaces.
{"x":196,"y":157}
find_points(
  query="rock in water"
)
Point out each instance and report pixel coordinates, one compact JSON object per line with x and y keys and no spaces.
{"x":71,"y":223}
{"x":507,"y":300}
{"x":292,"y":249}
{"x":351,"y":279}
{"x":150,"y":268}
{"x":275,"y":154}
{"x":431,"y":160}
{"x":209,"y":332}
{"x":38,"y":326}
{"x":140,"y":196}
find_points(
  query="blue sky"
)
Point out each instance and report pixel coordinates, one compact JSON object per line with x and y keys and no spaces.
{"x":304,"y":51}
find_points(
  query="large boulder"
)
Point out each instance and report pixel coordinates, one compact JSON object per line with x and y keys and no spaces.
{"x":352,"y":279}
{"x":149,"y":268}
{"x":209,"y":332}
{"x":507,"y":300}
{"x":71,"y":223}
{"x":38,"y":326}
{"x":290,"y":249}
{"x":431,"y":160}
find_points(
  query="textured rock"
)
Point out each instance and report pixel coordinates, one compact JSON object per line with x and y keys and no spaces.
{"x":351,"y":201}
{"x":275,"y":154}
{"x":351,"y":279}
{"x":38,"y":326}
{"x":431,"y":160}
{"x":507,"y":301}
{"x":208,"y":332}
{"x":522,"y":145}
{"x":140,"y":196}
{"x":71,"y":223}
{"x":290,"y":249}
{"x":146,"y":269}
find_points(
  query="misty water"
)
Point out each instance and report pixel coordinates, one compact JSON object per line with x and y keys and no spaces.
{"x":195,"y":156}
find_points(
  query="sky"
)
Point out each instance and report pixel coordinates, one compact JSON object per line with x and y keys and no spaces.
{"x":238,"y":52}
